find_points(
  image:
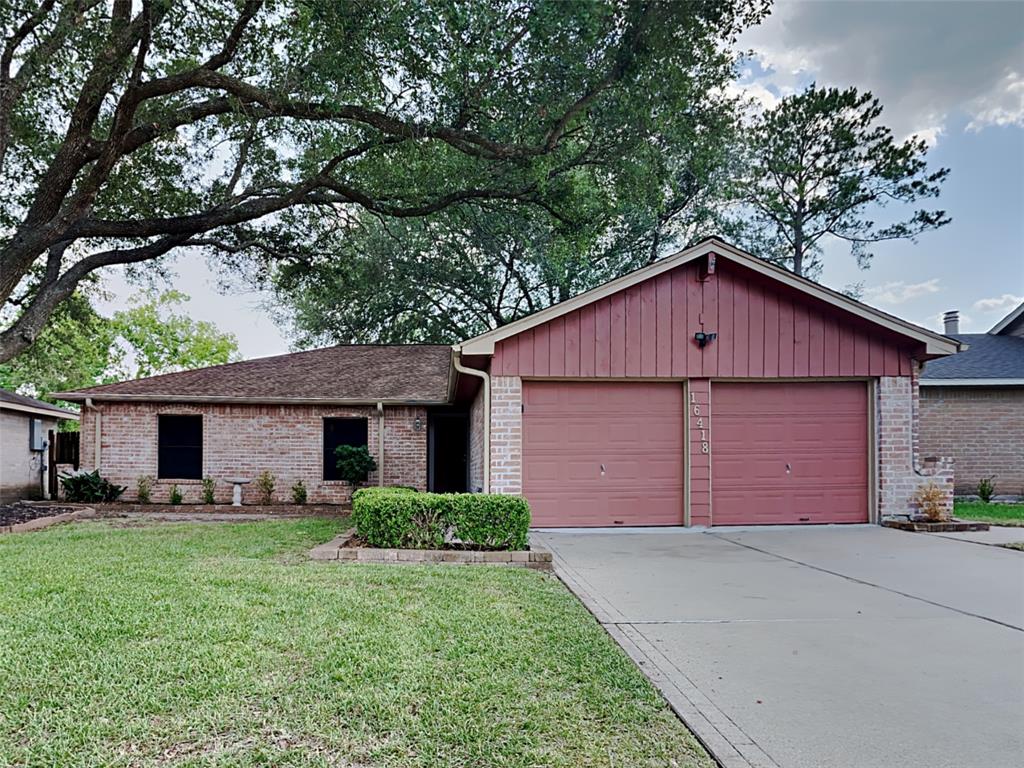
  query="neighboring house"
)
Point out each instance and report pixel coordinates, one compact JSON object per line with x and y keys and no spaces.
{"x":972,"y":405}
{"x":708,"y":388}
{"x":25,"y":425}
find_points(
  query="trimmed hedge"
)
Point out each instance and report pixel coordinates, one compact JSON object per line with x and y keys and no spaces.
{"x":404,"y":518}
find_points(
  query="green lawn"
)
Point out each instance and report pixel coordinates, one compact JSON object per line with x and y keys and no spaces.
{"x":995,"y":514}
{"x":220,"y":645}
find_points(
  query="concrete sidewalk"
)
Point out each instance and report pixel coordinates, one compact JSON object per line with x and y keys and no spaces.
{"x":827,"y":647}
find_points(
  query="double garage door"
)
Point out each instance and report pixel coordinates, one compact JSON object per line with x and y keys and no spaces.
{"x":612,"y":453}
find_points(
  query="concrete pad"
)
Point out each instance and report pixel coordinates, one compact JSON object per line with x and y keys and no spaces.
{"x":995,"y":535}
{"x":819,"y":647}
{"x":983,"y":581}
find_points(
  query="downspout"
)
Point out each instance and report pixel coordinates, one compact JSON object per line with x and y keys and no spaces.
{"x":98,"y":430}
{"x":457,"y":362}
{"x":380,"y":444}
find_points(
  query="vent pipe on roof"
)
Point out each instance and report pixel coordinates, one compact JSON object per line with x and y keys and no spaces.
{"x":951,"y":320}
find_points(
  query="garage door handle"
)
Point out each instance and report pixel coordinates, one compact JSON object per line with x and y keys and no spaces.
{"x":602,"y":469}
{"x":788,"y":469}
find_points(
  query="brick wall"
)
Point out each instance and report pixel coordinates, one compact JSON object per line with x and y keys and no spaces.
{"x":244,"y":440}
{"x":982,"y":428}
{"x":476,"y":442}
{"x":900,"y":470}
{"x":506,"y":435}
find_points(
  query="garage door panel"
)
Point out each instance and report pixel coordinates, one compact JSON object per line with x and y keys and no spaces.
{"x":789,"y":453}
{"x":635,"y":430}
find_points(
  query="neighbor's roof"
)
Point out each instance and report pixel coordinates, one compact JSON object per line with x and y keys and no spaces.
{"x":1012,"y":320}
{"x":935,"y":343}
{"x":988,"y":359}
{"x":12,"y":401}
{"x":415,"y":373}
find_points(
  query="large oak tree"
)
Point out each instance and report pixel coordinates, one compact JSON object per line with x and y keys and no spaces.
{"x":131,"y":129}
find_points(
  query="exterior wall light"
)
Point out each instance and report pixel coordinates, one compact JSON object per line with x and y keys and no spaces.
{"x":703,"y":339}
{"x":417,"y":425}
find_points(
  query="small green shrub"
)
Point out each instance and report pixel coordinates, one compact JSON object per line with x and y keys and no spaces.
{"x":390,"y":517}
{"x":299,"y":494}
{"x":89,"y":488}
{"x":986,"y":489}
{"x":354,"y":463}
{"x":144,"y":489}
{"x":175,"y":494}
{"x":265,"y":483}
{"x":209,"y":485}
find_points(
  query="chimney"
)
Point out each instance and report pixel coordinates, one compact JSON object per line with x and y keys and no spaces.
{"x":952,"y":322}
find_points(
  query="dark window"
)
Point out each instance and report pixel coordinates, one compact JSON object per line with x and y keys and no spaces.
{"x":340,"y":432}
{"x":180,"y":454}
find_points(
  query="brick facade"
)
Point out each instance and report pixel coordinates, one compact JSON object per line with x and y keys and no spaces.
{"x":900,"y":469}
{"x":506,"y":435}
{"x":982,"y":428}
{"x":476,"y":442}
{"x":244,"y":440}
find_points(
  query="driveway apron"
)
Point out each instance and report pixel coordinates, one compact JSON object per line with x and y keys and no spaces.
{"x":813,"y":648}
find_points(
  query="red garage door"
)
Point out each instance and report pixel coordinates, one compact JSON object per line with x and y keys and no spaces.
{"x":603,"y":453}
{"x":789,"y":453}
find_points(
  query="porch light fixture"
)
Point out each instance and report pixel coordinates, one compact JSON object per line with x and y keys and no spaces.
{"x":703,"y":339}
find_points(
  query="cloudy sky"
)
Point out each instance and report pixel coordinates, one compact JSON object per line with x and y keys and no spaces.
{"x":952,"y":72}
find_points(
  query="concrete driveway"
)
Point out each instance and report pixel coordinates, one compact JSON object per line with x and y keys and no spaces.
{"x":857,"y":646}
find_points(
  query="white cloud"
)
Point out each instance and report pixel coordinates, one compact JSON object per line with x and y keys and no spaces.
{"x":1003,"y":303}
{"x":900,"y":291}
{"x":926,"y":61}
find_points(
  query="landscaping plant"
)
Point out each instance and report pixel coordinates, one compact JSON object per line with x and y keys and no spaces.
{"x":299,"y":494}
{"x":144,"y":489}
{"x":389,"y":517}
{"x":931,"y":500}
{"x":90,"y":487}
{"x":175,"y":494}
{"x":265,"y":483}
{"x":986,"y":489}
{"x":354,"y":463}
{"x":208,"y":486}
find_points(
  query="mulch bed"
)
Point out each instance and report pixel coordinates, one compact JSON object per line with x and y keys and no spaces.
{"x":283,"y":510}
{"x":22,"y":512}
{"x":928,"y":526}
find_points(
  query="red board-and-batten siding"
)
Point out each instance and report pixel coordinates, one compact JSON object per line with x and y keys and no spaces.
{"x":765,"y":330}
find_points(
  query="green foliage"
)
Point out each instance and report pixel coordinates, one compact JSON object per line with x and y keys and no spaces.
{"x":265,"y":483}
{"x":144,"y":489}
{"x":387,"y":517}
{"x":81,"y":348}
{"x":819,"y":161}
{"x":354,"y":463}
{"x":299,"y":493}
{"x":226,"y":126}
{"x":986,"y":489}
{"x":159,"y":338}
{"x":209,"y":486}
{"x":175,"y":496}
{"x":73,"y":351}
{"x":90,"y":488}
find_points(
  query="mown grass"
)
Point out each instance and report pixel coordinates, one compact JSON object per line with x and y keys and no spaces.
{"x":992,"y":513}
{"x":220,"y":645}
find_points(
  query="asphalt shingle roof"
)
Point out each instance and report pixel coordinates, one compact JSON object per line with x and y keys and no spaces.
{"x":400,"y":373}
{"x":13,"y":398}
{"x":988,"y":357}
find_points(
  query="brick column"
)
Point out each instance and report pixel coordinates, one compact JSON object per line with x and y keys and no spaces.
{"x":698,"y":422}
{"x":900,"y":470}
{"x":506,"y":435}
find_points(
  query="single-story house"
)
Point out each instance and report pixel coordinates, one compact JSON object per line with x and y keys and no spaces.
{"x":25,"y":425}
{"x":708,"y":388}
{"x":972,"y":405}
